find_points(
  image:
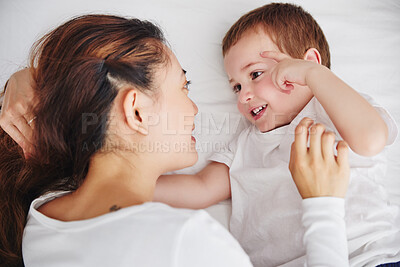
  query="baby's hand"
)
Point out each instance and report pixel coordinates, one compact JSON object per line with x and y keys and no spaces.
{"x":288,"y":71}
{"x":316,"y":170}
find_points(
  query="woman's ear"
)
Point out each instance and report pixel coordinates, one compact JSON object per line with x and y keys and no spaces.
{"x":312,"y":54}
{"x":132,"y":111}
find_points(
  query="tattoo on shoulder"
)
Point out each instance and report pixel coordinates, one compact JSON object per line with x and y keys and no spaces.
{"x":114,"y":208}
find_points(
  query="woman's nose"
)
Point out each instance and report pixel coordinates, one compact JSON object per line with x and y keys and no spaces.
{"x":196,"y":109}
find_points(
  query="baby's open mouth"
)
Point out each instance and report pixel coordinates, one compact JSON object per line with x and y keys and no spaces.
{"x":256,"y":111}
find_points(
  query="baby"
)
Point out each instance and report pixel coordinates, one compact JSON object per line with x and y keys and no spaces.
{"x":277,"y":60}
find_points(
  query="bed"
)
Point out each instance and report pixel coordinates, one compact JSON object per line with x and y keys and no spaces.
{"x":364,"y":37}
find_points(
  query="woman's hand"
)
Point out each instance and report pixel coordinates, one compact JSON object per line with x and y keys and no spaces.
{"x":15,"y":117}
{"x":316,"y":170}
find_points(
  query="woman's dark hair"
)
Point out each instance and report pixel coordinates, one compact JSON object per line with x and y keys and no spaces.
{"x":77,"y":69}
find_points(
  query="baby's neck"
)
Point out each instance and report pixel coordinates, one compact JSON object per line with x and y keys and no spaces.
{"x":276,"y":128}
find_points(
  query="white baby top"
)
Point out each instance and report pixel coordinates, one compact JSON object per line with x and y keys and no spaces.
{"x":266,"y":206}
{"x":154,"y":234}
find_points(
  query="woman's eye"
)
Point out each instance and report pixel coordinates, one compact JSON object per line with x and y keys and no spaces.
{"x":237,"y":88}
{"x":186,"y":86}
{"x":254,"y":75}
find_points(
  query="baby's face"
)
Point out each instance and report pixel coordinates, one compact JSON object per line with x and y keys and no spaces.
{"x":249,"y":75}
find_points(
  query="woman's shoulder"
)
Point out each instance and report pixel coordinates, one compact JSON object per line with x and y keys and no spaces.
{"x":149,"y":213}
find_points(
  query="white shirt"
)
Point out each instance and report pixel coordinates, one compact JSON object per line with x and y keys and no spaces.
{"x":148,"y":235}
{"x":266,"y":206}
{"x":155,"y":235}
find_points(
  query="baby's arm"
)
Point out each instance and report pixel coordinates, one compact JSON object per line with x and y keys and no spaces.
{"x":322,"y":180}
{"x":201,"y":190}
{"x":357,"y":121}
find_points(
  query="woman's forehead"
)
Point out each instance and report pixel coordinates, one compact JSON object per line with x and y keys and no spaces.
{"x":170,"y":74}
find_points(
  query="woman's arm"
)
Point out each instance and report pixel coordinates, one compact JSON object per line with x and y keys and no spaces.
{"x":322,"y":180}
{"x":325,"y":232}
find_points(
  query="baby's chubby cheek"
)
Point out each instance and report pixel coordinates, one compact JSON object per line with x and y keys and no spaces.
{"x":243,"y":110}
{"x":266,"y":90}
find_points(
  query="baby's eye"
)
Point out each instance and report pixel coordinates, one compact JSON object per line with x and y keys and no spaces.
{"x":186,"y":86}
{"x":237,"y":88}
{"x":255,"y":75}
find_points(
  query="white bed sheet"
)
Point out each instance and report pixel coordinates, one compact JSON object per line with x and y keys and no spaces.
{"x":364,"y":37}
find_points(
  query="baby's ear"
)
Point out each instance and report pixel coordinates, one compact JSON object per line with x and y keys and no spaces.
{"x":312,"y":54}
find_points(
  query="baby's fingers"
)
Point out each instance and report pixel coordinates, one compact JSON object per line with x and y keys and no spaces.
{"x":280,"y":82}
{"x":342,"y":153}
{"x":277,"y":56}
{"x":278,"y":77}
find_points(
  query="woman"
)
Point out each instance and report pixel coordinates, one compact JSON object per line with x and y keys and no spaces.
{"x":104,"y":89}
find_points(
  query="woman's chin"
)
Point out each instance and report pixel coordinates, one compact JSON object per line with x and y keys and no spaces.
{"x":191,"y":158}
{"x":185,"y":160}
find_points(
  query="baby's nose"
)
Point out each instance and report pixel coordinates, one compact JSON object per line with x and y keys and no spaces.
{"x":246,"y":94}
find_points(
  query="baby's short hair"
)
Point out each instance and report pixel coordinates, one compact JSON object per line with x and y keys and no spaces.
{"x":291,"y":28}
